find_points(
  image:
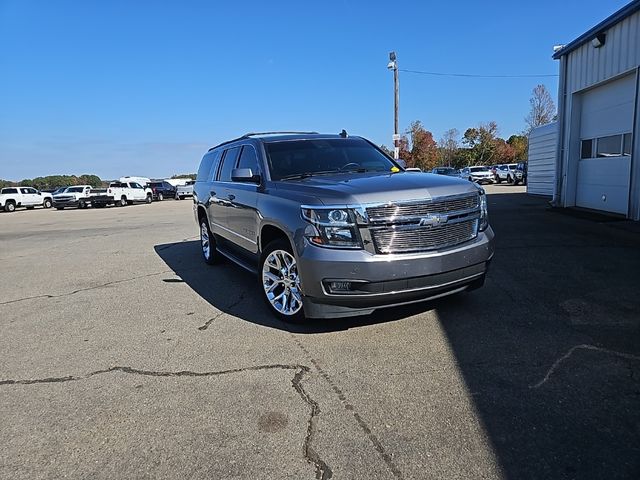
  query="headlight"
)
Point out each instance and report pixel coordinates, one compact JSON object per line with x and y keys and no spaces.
{"x":333,"y":227}
{"x":484,"y":212}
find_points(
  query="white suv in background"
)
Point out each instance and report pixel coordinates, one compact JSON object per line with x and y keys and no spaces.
{"x":28,"y":197}
{"x":478,"y":174}
{"x":505,"y":172}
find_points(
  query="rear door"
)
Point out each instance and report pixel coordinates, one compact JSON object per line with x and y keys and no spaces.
{"x":137,"y":191}
{"x":219,"y":203}
{"x":28,"y":196}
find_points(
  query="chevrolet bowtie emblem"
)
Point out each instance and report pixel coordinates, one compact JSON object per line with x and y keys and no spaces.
{"x":432,"y":220}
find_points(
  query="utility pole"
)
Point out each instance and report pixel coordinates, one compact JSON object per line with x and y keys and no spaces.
{"x":393,"y":65}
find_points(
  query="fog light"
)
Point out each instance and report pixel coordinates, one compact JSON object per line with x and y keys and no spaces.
{"x":340,"y":286}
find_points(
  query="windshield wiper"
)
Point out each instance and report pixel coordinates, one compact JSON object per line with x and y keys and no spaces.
{"x":297,"y":176}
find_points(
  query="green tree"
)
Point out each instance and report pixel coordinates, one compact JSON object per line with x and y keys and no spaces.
{"x":191,"y":176}
{"x":520,"y":144}
{"x":448,"y":147}
{"x":482,"y":142}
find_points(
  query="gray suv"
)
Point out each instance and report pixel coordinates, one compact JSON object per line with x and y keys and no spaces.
{"x":333,"y":227}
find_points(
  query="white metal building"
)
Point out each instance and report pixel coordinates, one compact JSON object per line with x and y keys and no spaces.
{"x":598,"y":161}
{"x":541,"y":164}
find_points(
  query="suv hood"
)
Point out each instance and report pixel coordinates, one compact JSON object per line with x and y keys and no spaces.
{"x":379,"y":187}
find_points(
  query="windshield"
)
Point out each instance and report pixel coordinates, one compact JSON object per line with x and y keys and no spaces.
{"x":314,"y":157}
{"x":479,"y":169}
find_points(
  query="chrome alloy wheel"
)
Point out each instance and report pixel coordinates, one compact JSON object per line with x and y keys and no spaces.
{"x":204,"y":241}
{"x":281,"y":282}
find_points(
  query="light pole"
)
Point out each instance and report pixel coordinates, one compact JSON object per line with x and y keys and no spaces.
{"x":393,"y":65}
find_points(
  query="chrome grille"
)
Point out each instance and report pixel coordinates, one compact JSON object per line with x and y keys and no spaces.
{"x":418,"y":239}
{"x":417,"y":209}
{"x":409,"y":227}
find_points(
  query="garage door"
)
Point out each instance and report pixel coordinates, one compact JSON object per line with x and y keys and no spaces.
{"x":604,"y":169}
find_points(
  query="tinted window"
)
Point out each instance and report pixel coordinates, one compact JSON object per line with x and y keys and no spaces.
{"x":290,"y":158}
{"x":9,"y":190}
{"x":609,"y":146}
{"x":479,"y":169}
{"x":249,"y":159}
{"x":228,"y":164}
{"x":626,"y":149}
{"x":586,"y":148}
{"x":135,"y":185}
{"x":75,"y":189}
{"x":155,"y":184}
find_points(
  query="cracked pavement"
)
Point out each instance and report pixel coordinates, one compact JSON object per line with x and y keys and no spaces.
{"x":123,"y":356}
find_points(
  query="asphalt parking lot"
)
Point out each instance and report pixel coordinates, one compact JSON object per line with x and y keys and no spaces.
{"x":122,"y":355}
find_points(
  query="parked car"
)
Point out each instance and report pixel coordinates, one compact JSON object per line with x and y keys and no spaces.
{"x":504,"y":172}
{"x":183,"y":191}
{"x":28,"y":197}
{"x":520,"y":174}
{"x":75,"y":196}
{"x":335,"y":228}
{"x":479,"y":174}
{"x":121,"y":194}
{"x":161,"y":190}
{"x":448,"y":171}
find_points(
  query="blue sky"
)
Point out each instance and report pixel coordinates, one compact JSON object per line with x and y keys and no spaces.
{"x":144,"y":88}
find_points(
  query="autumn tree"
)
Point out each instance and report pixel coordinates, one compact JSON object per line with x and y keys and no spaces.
{"x":504,"y":153}
{"x":543,"y":109}
{"x":449,"y":146}
{"x":481,"y":140}
{"x":424,"y":150}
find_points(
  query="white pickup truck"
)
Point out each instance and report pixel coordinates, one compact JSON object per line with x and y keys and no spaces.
{"x":185,"y":190}
{"x":28,"y":197}
{"x":75,"y":196}
{"x":121,"y":194}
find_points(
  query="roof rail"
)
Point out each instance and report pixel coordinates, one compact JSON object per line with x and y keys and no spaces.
{"x":254,"y":134}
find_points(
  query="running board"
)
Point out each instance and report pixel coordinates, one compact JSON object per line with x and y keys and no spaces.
{"x":238,"y":261}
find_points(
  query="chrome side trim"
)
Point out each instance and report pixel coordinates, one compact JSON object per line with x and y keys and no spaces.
{"x":232,"y":232}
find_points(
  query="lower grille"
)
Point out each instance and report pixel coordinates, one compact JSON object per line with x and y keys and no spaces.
{"x":407,"y":239}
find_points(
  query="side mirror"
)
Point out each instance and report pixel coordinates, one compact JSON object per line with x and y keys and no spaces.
{"x":244,"y":175}
{"x":402,"y":163}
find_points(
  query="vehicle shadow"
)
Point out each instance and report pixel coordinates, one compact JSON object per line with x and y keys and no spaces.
{"x":235,"y":291}
{"x":550,"y":349}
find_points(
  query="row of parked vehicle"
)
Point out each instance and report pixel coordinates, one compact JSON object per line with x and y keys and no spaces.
{"x":512,"y":173}
{"x":119,"y":194}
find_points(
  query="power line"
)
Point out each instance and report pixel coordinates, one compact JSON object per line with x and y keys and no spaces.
{"x":472,"y":75}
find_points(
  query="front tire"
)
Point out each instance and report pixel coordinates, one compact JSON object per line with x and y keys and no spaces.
{"x":150,"y":199}
{"x":280,"y":282}
{"x":160,"y":197}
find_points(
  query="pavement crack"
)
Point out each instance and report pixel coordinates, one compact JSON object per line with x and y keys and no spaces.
{"x":323,"y":471}
{"x":377,"y":445}
{"x":114,"y":282}
{"x":564,"y":357}
{"x":228,"y":307}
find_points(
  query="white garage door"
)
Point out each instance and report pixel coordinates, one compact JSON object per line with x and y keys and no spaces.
{"x":604,"y":169}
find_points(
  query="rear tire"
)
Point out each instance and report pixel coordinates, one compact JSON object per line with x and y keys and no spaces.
{"x":122,"y":202}
{"x":160,"y":197}
{"x":10,"y":207}
{"x":210,"y":255}
{"x":46,"y":203}
{"x":278,"y":279}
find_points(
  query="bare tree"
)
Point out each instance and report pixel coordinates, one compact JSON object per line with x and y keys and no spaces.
{"x":542,"y":110}
{"x":449,"y":146}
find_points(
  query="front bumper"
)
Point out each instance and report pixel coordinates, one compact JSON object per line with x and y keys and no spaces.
{"x":382,"y":281}
{"x":65,"y":203}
